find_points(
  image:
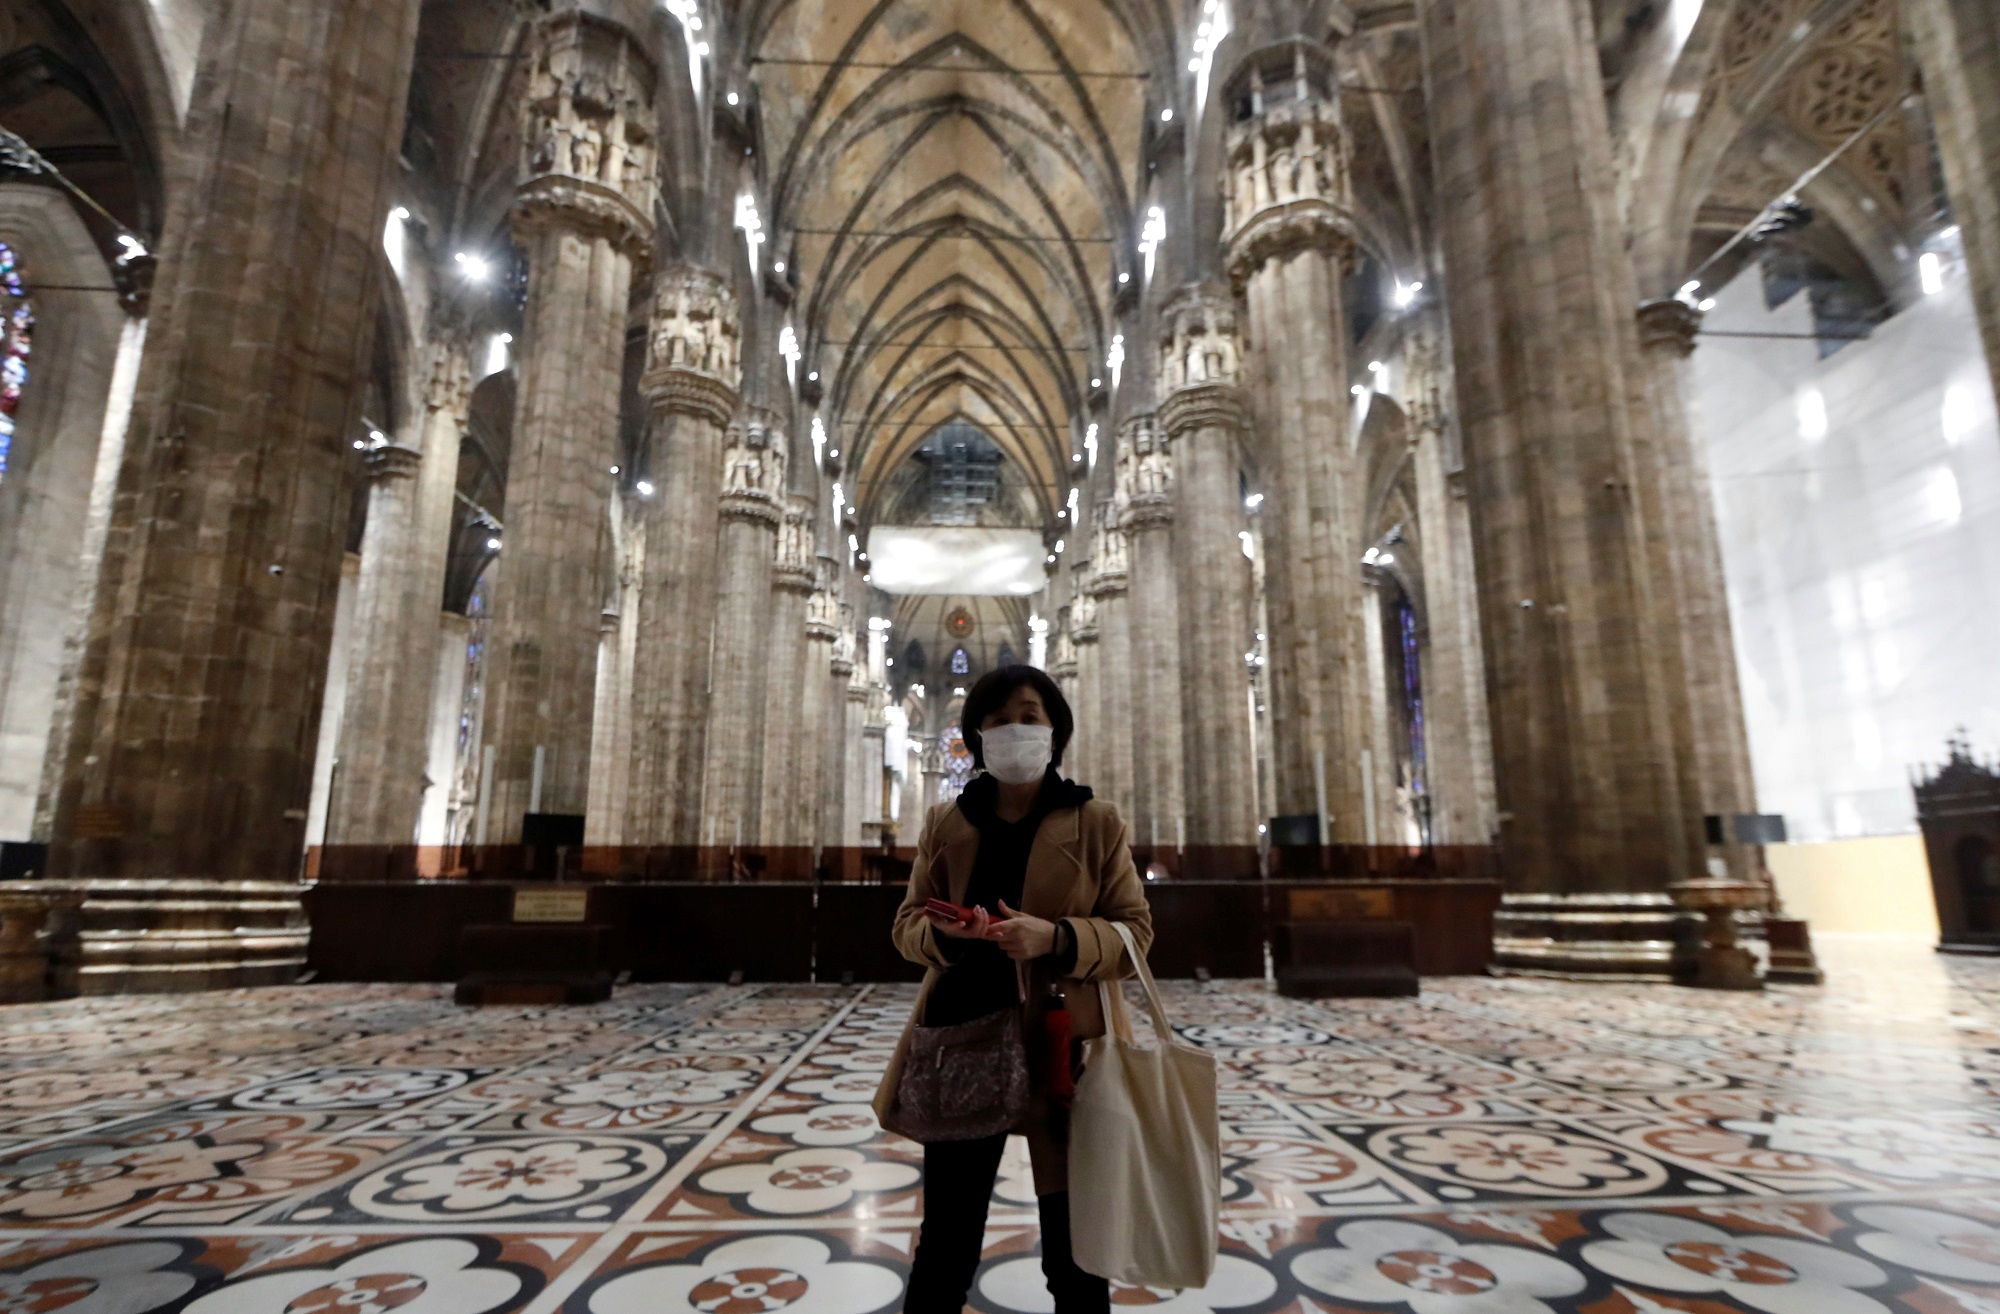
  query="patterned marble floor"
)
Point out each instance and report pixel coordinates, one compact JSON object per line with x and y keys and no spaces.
{"x":1495,"y":1147}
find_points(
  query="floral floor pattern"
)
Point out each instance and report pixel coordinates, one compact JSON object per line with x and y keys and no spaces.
{"x":1493,"y":1147}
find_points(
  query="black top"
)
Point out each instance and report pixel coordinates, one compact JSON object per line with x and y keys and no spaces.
{"x":981,"y":978}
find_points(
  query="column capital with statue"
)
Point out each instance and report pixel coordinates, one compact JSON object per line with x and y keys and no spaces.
{"x":1287,"y":178}
{"x":694,"y":347}
{"x":589,"y":158}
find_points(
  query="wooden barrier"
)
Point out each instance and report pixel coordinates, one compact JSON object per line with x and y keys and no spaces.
{"x":800,"y":931}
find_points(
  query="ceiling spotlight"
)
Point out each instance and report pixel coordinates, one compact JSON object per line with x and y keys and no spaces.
{"x":359,"y":445}
{"x":473,"y":267}
{"x":732,"y":98}
{"x":1124,"y":278}
{"x":493,"y":545}
{"x":614,"y":469}
{"x":1166,"y":116}
{"x":377,"y":437}
{"x":400,"y":213}
{"x":835,"y":454}
{"x":780,"y":266}
{"x":1097,"y":383}
{"x":1376,"y":367}
{"x":814,"y":376}
{"x":645,"y":488}
{"x":1077,"y":459}
{"x":1707,"y":304}
{"x":1359,"y":390}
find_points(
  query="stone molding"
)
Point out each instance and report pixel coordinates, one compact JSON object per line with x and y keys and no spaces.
{"x":1209,"y":406}
{"x":1289,"y":229}
{"x":392,"y":462}
{"x":583,"y":207}
{"x":1669,"y":324}
{"x":684,"y":392}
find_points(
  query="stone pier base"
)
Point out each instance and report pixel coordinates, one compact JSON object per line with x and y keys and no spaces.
{"x":1615,"y":937}
{"x":169,"y":936}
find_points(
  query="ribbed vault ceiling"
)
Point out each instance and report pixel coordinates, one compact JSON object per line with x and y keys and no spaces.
{"x":957,"y":182}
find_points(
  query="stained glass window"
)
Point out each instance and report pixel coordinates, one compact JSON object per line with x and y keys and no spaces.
{"x":1413,"y":701}
{"x":961,"y":662}
{"x":470,"y":708}
{"x":958,"y":768}
{"x":17,"y":341}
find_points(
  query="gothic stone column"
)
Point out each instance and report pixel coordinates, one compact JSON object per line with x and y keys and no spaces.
{"x":618,"y":660}
{"x":752,"y":509}
{"x":1717,"y":747}
{"x":404,"y":551}
{"x":381,"y":772}
{"x":690,"y":384}
{"x":1110,"y":588}
{"x":785,"y":815}
{"x":1201,"y":416}
{"x":584,"y":215}
{"x":1539,"y":286}
{"x":1290,"y":236}
{"x":190,"y":750}
{"x":1089,"y":757}
{"x":1457,"y":743}
{"x":1146,"y":493}
{"x":847,"y":712}
{"x":1958,"y":45}
{"x":809,"y":770}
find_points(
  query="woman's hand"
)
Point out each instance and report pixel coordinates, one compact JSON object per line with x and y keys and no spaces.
{"x":979,"y":928}
{"x":1024,"y":938}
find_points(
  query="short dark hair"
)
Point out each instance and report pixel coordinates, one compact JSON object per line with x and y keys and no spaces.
{"x":991,"y":694}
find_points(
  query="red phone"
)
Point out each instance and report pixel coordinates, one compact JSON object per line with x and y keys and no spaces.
{"x":963,"y":916}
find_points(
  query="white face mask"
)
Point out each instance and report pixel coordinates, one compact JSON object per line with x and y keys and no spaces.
{"x":1018,"y":754}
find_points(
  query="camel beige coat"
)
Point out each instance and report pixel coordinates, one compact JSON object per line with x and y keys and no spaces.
{"x":1079,"y":871}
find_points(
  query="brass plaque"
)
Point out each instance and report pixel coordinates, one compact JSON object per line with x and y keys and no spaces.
{"x":543,"y":905}
{"x":1356,"y":905}
{"x":99,"y":823}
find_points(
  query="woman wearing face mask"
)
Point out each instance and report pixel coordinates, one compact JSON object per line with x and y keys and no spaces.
{"x":1047,"y":868}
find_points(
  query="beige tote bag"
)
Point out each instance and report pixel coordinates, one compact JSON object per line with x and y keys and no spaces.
{"x":1145,"y":1154}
